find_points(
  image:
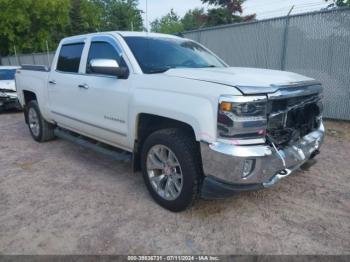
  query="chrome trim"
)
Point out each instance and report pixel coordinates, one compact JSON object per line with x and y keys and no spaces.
{"x":241,"y":99}
{"x":104,"y":63}
{"x":280,"y":175}
{"x":241,"y":151}
{"x":90,"y":124}
{"x":301,"y":104}
{"x":226,"y":162}
{"x":242,"y":142}
{"x":298,"y":84}
{"x":295,"y":91}
{"x":256,"y":90}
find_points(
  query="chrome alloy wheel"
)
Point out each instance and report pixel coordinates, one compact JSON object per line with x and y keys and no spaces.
{"x":164,"y":172}
{"x":33,"y":120}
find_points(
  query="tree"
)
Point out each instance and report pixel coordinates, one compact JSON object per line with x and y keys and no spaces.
{"x":194,"y":19}
{"x":28,"y":24}
{"x":232,"y":5}
{"x":121,"y":15}
{"x":227,"y":12}
{"x":221,"y":16}
{"x":340,"y":3}
{"x":76,"y":20}
{"x":169,"y":24}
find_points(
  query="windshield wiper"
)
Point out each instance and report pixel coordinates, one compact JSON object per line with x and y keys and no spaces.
{"x":209,"y":66}
{"x":159,"y":70}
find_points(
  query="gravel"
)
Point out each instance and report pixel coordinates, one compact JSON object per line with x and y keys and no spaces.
{"x":59,"y":198}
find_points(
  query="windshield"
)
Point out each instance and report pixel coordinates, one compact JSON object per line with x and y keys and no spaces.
{"x":7,"y":74}
{"x":156,"y":55}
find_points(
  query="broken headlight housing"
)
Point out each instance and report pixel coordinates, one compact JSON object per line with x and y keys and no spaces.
{"x":242,"y":119}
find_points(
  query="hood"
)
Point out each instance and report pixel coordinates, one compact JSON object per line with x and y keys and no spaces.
{"x":8,"y":85}
{"x":247,"y":80}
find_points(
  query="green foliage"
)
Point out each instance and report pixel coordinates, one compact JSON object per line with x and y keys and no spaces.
{"x":76,"y":21}
{"x":221,"y":16}
{"x":340,"y":3}
{"x":197,"y":18}
{"x":121,"y":15}
{"x":194,"y":19}
{"x":343,"y":3}
{"x":28,"y":24}
{"x":231,"y":5}
{"x":169,"y":24}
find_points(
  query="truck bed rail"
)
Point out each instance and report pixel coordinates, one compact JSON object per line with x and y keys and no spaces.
{"x":35,"y":67}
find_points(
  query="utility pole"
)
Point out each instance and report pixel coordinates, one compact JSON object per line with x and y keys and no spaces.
{"x":147,"y":24}
{"x":47,"y":52}
{"x":14,"y":49}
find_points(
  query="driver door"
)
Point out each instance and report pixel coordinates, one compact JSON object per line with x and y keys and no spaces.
{"x":103,"y":99}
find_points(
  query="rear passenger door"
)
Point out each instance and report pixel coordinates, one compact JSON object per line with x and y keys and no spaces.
{"x":64,"y":83}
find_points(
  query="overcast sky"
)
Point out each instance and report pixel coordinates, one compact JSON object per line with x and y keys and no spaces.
{"x":263,"y":8}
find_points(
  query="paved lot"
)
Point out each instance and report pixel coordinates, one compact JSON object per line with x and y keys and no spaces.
{"x":57,"y":198}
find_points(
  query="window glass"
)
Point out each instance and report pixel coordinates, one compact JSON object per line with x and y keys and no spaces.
{"x":156,"y":55}
{"x":103,"y":50}
{"x":69,"y":58}
{"x":7,"y":74}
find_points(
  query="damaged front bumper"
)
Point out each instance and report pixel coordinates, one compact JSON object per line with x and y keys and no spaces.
{"x":230,"y":168}
{"x":9,"y":100}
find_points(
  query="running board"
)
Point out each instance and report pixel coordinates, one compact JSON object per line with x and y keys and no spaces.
{"x":110,"y":151}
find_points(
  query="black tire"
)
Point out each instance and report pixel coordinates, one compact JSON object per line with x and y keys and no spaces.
{"x":46,"y":129}
{"x":185,"y":148}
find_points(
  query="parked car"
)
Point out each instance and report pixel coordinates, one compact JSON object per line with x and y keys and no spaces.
{"x":192,"y":124}
{"x":8,"y":95}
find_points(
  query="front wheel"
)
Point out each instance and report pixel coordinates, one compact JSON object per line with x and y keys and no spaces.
{"x":171,"y":168}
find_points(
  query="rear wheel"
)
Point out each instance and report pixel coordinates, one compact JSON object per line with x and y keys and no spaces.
{"x":39,"y":128}
{"x":171,"y":168}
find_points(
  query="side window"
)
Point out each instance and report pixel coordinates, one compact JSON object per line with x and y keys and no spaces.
{"x":69,"y":58}
{"x":103,"y":50}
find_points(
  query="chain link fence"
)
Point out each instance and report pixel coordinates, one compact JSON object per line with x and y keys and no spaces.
{"x":31,"y":59}
{"x":313,"y":44}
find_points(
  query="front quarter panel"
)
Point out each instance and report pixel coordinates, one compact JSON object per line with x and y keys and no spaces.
{"x":190,"y":101}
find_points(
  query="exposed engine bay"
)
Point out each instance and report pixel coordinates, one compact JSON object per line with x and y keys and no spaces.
{"x":289,"y":119}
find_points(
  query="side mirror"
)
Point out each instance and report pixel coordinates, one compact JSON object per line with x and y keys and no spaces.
{"x":107,"y":67}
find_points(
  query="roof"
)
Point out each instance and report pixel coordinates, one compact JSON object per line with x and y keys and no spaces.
{"x":144,"y":34}
{"x":124,"y":34}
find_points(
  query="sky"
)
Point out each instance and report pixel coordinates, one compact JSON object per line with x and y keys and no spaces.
{"x":263,"y":8}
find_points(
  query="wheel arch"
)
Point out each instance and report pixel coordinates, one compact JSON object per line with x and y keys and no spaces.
{"x":28,"y":96}
{"x":147,"y":123}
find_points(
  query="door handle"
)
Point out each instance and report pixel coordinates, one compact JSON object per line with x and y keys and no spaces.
{"x":52,"y":82}
{"x":83,"y":86}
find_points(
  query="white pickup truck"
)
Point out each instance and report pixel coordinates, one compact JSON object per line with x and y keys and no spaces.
{"x":194,"y":126}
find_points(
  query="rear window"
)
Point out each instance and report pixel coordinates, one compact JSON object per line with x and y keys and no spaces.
{"x":69,"y":58}
{"x":7,"y":74}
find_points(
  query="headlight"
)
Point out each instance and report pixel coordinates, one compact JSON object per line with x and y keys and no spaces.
{"x":242,"y":119}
